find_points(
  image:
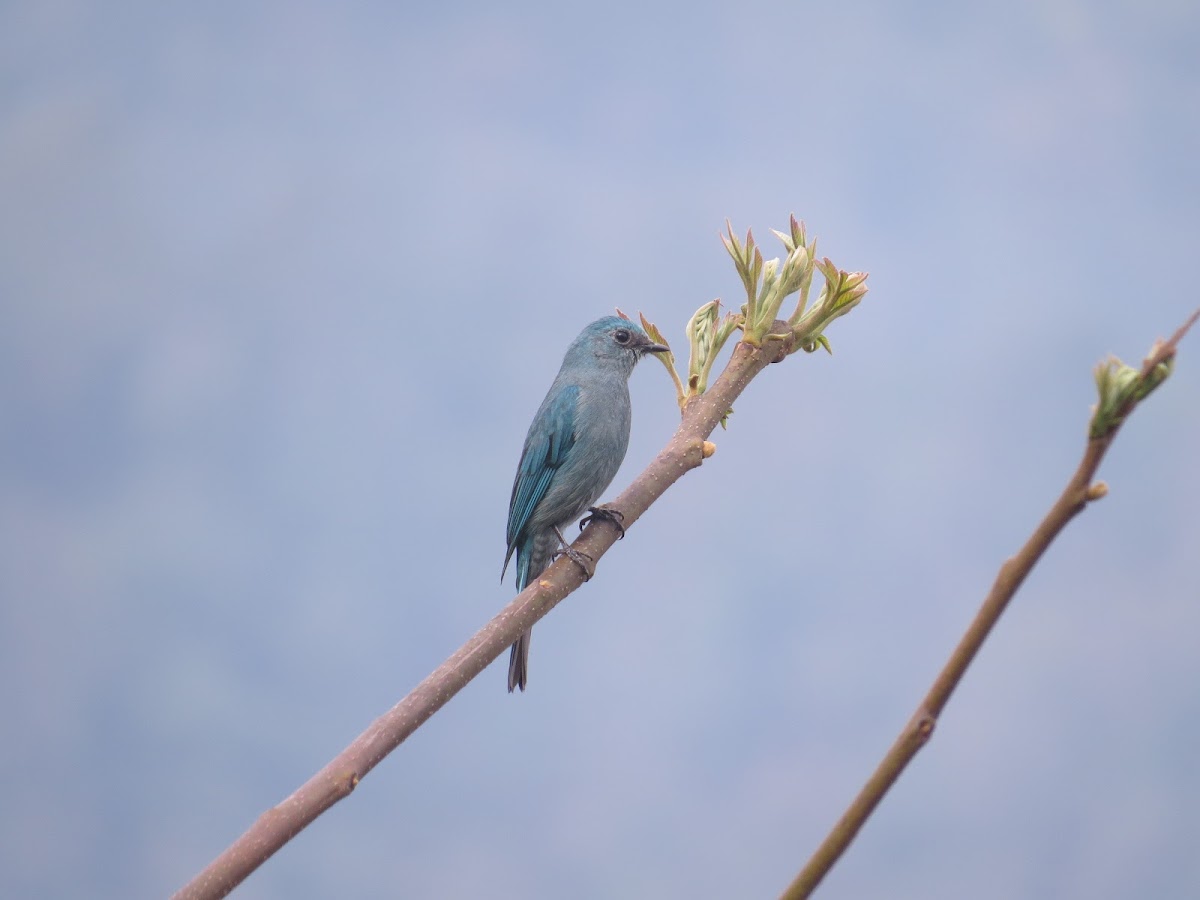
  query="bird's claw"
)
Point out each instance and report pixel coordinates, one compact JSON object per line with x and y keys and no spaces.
{"x":580,"y":559}
{"x":606,"y":514}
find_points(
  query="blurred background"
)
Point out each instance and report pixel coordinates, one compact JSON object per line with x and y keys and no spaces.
{"x":281,"y":287}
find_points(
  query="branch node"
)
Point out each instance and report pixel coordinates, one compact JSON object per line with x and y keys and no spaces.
{"x":690,"y":453}
{"x":1096,"y":491}
{"x":780,"y":341}
{"x":343,"y":784}
{"x":707,"y":449}
{"x":923,"y":726}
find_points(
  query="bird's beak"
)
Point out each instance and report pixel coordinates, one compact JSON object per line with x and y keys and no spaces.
{"x":656,"y":348}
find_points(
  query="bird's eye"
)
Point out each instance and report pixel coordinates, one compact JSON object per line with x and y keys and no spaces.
{"x":622,"y":336}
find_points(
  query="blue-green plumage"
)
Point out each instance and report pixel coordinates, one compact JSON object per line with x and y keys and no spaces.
{"x":574,"y":447}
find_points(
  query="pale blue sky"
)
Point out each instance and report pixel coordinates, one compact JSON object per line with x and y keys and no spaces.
{"x":280,"y":289}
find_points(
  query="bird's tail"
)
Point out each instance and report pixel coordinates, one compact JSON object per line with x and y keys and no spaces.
{"x":518,"y":662}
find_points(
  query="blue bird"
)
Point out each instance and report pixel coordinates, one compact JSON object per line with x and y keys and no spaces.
{"x":572,"y":452}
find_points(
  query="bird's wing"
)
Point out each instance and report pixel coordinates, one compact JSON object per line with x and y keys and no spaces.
{"x":546,"y":448}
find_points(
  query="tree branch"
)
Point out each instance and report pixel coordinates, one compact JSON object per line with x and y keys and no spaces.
{"x":685,"y":451}
{"x":766,"y":339}
{"x":1079,"y":491}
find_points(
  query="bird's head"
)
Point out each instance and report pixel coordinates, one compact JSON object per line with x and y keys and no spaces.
{"x":613,"y":341}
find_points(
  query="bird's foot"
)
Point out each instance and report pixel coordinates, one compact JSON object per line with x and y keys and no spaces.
{"x":585,"y":562}
{"x":605,"y":514}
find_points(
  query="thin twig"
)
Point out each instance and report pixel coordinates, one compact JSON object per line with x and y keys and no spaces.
{"x":278,"y":825}
{"x":1075,"y":497}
